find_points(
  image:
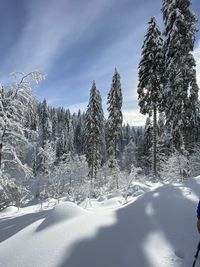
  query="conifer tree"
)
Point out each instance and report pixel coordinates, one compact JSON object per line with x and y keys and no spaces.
{"x":94,"y":132}
{"x":181,"y":89}
{"x":114,"y":123}
{"x":150,"y":80}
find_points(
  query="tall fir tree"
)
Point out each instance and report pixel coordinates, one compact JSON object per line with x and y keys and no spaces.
{"x":94,"y":132}
{"x":181,"y":89}
{"x":150,"y":80}
{"x":114,"y":122}
{"x":114,"y":125}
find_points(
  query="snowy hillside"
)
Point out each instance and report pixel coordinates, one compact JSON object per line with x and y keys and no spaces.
{"x":155,"y":230}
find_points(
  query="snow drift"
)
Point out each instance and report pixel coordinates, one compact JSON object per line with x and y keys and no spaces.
{"x":156,"y":230}
{"x":61,"y":213}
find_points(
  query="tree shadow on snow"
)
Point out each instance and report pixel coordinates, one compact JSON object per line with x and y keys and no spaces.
{"x":11,"y":226}
{"x":135,"y":224}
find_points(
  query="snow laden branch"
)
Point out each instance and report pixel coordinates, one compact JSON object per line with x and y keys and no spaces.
{"x":15,"y":100}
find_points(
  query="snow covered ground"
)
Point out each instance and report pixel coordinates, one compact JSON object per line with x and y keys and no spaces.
{"x":157,"y":229}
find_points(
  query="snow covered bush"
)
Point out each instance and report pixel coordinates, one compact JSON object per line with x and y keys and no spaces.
{"x":175,"y":167}
{"x":14,"y":100}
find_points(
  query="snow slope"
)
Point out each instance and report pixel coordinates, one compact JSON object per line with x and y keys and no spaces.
{"x":157,"y":229}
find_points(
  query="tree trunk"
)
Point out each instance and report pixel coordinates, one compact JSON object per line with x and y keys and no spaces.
{"x":154,"y":158}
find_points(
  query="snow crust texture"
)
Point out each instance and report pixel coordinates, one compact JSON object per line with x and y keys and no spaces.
{"x":157,"y":229}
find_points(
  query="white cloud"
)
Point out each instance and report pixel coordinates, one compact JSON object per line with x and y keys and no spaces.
{"x":133,"y":117}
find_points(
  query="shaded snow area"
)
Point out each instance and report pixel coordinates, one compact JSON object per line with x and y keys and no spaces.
{"x":157,"y":229}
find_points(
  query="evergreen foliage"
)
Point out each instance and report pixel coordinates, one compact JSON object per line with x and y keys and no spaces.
{"x":150,"y":80}
{"x":114,"y":122}
{"x":94,"y":132}
{"x":181,"y":89}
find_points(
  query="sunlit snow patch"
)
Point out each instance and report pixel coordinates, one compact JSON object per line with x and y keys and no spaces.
{"x":62,"y":212}
{"x":156,"y":194}
{"x":158,"y":250}
{"x":9,"y":211}
{"x":189,"y":194}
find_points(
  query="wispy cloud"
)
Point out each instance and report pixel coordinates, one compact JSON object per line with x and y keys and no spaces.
{"x":76,"y":42}
{"x":50,"y":28}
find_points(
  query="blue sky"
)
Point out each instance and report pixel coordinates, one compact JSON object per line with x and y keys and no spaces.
{"x":76,"y":42}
